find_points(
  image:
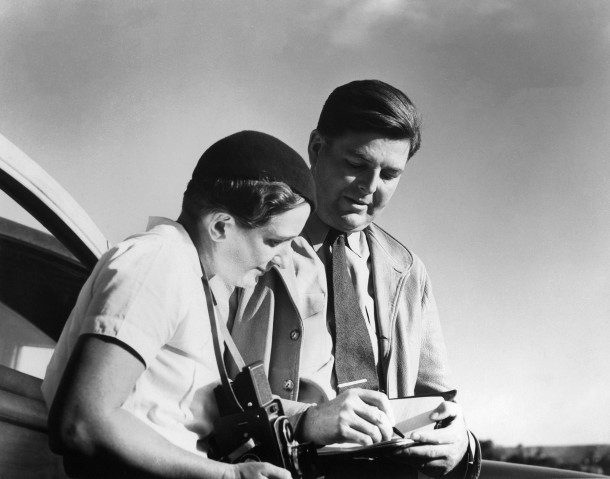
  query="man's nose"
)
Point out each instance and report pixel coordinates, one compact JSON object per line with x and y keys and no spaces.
{"x":368,"y":182}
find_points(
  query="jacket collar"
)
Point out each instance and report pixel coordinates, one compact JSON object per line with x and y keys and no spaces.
{"x":315,"y":233}
{"x":390,"y":263}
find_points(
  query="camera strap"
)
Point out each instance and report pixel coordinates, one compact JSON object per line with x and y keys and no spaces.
{"x":220,"y":328}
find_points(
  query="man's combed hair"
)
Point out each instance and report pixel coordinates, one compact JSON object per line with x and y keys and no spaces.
{"x":251,"y":202}
{"x":371,"y":106}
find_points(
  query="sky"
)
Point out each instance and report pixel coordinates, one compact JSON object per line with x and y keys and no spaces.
{"x":507,"y":202}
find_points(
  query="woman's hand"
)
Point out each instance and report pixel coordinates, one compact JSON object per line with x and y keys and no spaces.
{"x":257,"y":470}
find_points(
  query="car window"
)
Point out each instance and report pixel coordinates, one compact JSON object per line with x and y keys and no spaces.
{"x":39,"y":282}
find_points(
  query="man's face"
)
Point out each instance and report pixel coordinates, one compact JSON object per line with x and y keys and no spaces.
{"x":356,"y":174}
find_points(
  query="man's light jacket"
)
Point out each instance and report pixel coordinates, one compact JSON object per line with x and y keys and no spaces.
{"x":270,"y":319}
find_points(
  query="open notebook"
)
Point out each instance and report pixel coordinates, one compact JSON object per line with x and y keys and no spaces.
{"x":411,"y":413}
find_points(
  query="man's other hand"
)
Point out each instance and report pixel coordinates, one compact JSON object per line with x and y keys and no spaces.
{"x":444,"y":448}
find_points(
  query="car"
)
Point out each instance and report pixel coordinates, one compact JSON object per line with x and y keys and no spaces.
{"x":41,"y":274}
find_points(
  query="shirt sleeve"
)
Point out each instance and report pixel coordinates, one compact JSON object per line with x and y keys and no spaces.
{"x":137,"y":298}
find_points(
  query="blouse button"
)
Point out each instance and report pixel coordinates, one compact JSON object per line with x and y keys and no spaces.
{"x":295,"y":334}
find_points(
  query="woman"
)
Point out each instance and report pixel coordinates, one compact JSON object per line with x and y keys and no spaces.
{"x":130,"y":383}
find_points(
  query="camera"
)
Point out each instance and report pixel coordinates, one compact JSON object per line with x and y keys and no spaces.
{"x":252,"y":427}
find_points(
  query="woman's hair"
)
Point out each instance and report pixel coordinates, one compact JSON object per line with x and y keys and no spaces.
{"x":251,"y":202}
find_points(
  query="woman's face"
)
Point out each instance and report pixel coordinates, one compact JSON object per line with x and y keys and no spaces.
{"x":247,"y":254}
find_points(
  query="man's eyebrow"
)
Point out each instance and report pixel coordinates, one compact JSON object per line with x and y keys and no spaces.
{"x":358,"y":155}
{"x":363,"y":157}
{"x":394,"y":170}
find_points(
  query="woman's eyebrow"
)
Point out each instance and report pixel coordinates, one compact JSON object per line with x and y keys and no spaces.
{"x":278,"y":237}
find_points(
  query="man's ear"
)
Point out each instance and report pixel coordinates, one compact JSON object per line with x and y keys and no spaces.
{"x":313,"y":148}
{"x":220,"y":225}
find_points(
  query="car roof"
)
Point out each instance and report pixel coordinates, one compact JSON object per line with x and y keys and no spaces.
{"x":47,"y":201}
{"x":33,"y":238}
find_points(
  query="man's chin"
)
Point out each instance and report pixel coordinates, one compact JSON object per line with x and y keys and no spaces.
{"x":352,"y":222}
{"x":348,"y":222}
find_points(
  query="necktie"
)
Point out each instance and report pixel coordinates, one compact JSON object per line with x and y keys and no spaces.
{"x":354,"y":359}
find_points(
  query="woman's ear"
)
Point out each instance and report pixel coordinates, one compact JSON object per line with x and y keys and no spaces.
{"x":220,"y":225}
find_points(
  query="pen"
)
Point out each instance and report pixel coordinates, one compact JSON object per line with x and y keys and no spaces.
{"x":398,"y":432}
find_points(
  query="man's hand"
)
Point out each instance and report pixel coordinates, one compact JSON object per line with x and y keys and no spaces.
{"x":444,"y":448}
{"x":356,"y":415}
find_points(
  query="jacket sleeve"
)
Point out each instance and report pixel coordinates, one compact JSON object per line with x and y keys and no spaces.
{"x":295,"y":411}
{"x":434,"y":372}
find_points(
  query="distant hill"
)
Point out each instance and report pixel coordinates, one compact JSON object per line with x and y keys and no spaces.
{"x":571,"y":454}
{"x":588,"y":458}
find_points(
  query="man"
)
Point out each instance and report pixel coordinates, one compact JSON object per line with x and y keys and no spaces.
{"x":294,"y":318}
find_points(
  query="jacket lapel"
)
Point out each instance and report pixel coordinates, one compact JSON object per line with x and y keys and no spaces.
{"x":387,"y":277}
{"x":288,"y":276}
{"x":253,"y":323}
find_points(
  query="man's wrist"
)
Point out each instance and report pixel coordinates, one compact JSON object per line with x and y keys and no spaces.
{"x":298,"y":422}
{"x":467,"y":467}
{"x":474,"y":458}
